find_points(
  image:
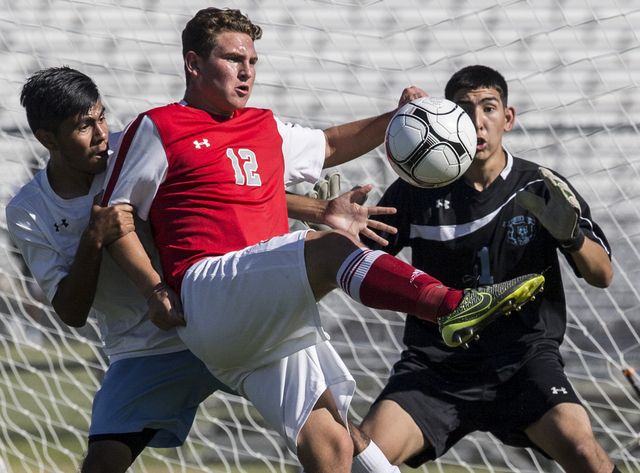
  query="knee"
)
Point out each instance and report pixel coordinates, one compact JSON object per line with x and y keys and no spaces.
{"x":329,"y":451}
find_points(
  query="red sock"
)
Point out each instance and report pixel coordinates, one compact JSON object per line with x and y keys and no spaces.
{"x":380,"y":281}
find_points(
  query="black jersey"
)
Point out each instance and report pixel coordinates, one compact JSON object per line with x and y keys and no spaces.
{"x":467,"y":238}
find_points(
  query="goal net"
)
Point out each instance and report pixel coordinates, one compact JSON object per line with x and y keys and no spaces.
{"x":573,"y":68}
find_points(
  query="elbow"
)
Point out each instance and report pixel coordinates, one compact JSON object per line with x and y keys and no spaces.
{"x":72,"y":320}
{"x":76,"y":319}
{"x":601,"y":280}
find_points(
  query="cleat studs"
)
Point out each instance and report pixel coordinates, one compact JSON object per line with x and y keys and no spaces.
{"x":533,"y":298}
{"x":477,"y":337}
{"x":465,"y":346}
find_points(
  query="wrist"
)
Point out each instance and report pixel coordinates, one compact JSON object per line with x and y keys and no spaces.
{"x":159,"y":287}
{"x":575,"y":243}
{"x":90,"y":238}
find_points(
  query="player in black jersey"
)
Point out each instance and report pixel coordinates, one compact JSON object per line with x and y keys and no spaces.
{"x":473,"y":232}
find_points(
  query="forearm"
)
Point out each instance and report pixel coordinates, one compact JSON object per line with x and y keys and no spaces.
{"x":75,"y":293}
{"x":306,"y":209}
{"x":594,"y":264}
{"x":130,"y":255}
{"x":347,"y":142}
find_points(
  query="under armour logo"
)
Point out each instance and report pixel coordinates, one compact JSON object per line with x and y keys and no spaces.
{"x":62,"y":224}
{"x":416,"y":273}
{"x":555,"y":390}
{"x":200,"y":144}
{"x":440,"y":203}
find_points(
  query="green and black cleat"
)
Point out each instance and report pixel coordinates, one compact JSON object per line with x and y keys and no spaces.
{"x":479,"y":307}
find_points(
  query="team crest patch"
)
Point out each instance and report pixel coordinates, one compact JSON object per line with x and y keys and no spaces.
{"x":520,"y":230}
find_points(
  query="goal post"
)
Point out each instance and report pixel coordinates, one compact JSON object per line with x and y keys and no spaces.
{"x":573,"y":69}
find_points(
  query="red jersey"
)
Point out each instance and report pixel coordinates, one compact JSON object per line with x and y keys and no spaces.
{"x":224,"y":184}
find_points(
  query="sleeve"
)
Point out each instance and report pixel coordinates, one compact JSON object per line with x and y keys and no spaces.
{"x":395,"y":196}
{"x":304,"y":151}
{"x":590,"y":229}
{"x":139,"y":167}
{"x":47,"y":266}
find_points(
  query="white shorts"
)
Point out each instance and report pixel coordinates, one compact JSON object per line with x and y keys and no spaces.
{"x":249,"y":313}
{"x":285,"y":391}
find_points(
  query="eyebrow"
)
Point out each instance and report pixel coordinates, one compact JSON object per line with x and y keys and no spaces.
{"x":484,"y":100}
{"x":87,"y":118}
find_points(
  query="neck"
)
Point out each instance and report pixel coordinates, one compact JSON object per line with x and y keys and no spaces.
{"x":481,"y":174}
{"x":197,"y":101}
{"x":68,"y":184}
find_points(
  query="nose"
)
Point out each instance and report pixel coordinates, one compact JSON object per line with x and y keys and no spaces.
{"x":100,"y":131}
{"x":246,"y":71}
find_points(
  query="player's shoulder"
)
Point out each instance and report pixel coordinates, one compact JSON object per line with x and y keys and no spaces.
{"x":34,"y":189}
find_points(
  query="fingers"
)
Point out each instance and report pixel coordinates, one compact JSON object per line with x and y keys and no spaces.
{"x":382,"y":227}
{"x":409,"y":94}
{"x":373,"y":236}
{"x":97,"y":199}
{"x":333,"y":185}
{"x":327,"y":188}
{"x":381,"y":210}
{"x":165,"y":309}
{"x":558,"y":188}
{"x":531,"y":202}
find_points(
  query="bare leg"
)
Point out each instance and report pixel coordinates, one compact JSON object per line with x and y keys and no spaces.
{"x":394,"y":431}
{"x":565,"y":434}
{"x":324,"y":444}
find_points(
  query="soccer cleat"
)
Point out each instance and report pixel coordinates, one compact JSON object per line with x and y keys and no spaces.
{"x":479,"y":307}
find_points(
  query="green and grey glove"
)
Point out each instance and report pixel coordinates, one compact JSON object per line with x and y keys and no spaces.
{"x":560,"y":214}
{"x":328,"y":189}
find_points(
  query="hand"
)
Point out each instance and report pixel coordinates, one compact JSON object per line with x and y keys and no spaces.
{"x":325,"y":189}
{"x":560,"y":214}
{"x":165,"y":308}
{"x":346,"y":213}
{"x":409,"y":94}
{"x":108,"y":224}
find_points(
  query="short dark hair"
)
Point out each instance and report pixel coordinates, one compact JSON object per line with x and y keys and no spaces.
{"x":200,"y":35}
{"x":476,"y":77}
{"x":50,"y":96}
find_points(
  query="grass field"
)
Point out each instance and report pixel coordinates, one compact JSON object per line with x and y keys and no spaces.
{"x":45,"y":406}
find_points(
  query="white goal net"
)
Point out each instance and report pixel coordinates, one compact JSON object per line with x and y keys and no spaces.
{"x":573,"y":68}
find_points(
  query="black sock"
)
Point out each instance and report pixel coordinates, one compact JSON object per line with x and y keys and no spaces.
{"x":615,"y":469}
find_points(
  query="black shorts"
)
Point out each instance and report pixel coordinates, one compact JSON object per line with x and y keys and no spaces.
{"x":446,"y":415}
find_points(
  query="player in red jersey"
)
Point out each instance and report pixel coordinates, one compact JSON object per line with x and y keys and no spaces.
{"x":209,"y":173}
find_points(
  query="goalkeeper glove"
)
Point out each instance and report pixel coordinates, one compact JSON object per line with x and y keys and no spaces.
{"x":328,"y":189}
{"x":560,"y":214}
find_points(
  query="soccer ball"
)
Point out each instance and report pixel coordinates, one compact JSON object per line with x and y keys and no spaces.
{"x":430,"y":142}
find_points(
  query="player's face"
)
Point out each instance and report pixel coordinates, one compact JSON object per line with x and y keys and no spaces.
{"x":490,"y":117}
{"x":81,"y":145}
{"x":224,"y":80}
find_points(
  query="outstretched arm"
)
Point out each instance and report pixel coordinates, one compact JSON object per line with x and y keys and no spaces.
{"x":351,"y":140}
{"x":76,"y":291}
{"x":342,"y":213}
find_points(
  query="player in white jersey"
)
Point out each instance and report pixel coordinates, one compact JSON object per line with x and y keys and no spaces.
{"x":57,"y":224}
{"x":213,"y":191}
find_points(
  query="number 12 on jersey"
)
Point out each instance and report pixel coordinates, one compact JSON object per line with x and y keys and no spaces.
{"x":245,"y":167}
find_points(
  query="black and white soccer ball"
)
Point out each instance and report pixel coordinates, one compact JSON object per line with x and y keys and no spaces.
{"x":430,"y":142}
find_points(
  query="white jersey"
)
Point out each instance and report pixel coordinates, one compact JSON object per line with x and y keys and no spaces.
{"x":47,"y":230}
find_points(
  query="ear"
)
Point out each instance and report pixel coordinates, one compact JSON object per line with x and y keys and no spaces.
{"x":510,"y":115}
{"x":192,"y":63}
{"x":47,"y":139}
